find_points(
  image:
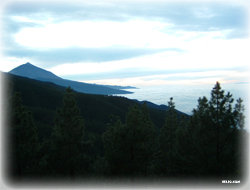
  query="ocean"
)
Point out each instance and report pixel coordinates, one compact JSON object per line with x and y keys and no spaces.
{"x":186,"y":96}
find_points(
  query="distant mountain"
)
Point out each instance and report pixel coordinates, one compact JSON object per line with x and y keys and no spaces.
{"x":33,"y":72}
{"x":85,"y":87}
{"x":30,"y":71}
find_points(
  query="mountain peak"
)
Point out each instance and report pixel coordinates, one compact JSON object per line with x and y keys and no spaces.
{"x":33,"y":72}
{"x":28,"y":64}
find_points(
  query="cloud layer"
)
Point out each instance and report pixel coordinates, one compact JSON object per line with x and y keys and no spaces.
{"x":126,"y":39}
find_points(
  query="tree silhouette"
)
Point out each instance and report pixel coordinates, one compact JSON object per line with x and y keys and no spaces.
{"x":23,"y":140}
{"x":168,"y":142}
{"x":213,"y":132}
{"x":115,"y":147}
{"x":67,"y":138}
{"x":130,"y":147}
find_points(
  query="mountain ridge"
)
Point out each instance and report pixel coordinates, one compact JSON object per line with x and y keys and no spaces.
{"x":31,"y":71}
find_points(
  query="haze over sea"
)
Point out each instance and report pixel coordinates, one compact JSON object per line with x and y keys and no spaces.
{"x":186,"y":96}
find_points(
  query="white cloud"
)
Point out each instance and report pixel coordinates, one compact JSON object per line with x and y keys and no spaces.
{"x":44,"y":19}
{"x":188,"y":78}
{"x":201,"y":31}
{"x":136,"y":33}
{"x":11,"y":63}
{"x":84,"y":68}
{"x":200,"y":54}
{"x":204,"y":12}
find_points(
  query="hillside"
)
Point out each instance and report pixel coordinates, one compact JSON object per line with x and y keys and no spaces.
{"x":33,"y":72}
{"x":134,"y":140}
{"x":42,"y":98}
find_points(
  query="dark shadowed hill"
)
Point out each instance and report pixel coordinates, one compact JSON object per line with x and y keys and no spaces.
{"x":149,"y":144}
{"x":42,"y":98}
{"x":33,"y":72}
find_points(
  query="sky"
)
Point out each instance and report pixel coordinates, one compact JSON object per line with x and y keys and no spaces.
{"x":138,"y":43}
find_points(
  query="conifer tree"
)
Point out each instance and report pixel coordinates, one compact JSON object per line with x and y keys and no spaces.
{"x":67,"y":138}
{"x":115,"y":148}
{"x":141,"y":139}
{"x":149,"y":145}
{"x":213,"y":132}
{"x":168,"y":142}
{"x":23,"y":140}
{"x":129,"y":148}
{"x":239,"y":114}
{"x":196,"y":147}
{"x":223,"y":119}
{"x":183,"y":152}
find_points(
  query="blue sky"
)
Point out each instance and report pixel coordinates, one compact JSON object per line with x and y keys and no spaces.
{"x":129,"y":42}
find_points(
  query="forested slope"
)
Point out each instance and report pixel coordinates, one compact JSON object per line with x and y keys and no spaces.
{"x":43,"y":98}
{"x":57,"y":133}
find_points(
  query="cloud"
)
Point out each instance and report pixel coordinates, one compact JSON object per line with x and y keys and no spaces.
{"x":136,"y":33}
{"x":173,"y":18}
{"x":67,"y":10}
{"x":88,"y":73}
{"x":237,"y":34}
{"x":169,"y":77}
{"x":57,"y":56}
{"x":190,"y":16}
{"x":163,"y":35}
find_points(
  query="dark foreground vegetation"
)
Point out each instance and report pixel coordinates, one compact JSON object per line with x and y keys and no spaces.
{"x":57,"y":134}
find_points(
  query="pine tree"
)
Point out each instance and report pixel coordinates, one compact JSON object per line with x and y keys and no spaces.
{"x":115,"y":148}
{"x":149,"y":141}
{"x":168,"y":142}
{"x":67,"y":138}
{"x":239,"y":114}
{"x":212,"y":132}
{"x":223,"y":120}
{"x":24,"y":144}
{"x":183,"y":154}
{"x":199,"y":138}
{"x":129,"y":148}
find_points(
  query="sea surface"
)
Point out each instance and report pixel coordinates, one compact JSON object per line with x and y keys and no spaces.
{"x":186,"y":96}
